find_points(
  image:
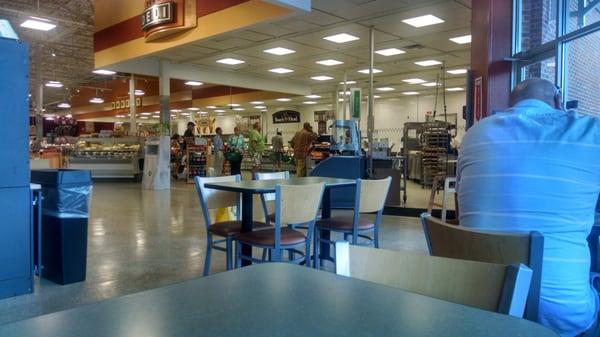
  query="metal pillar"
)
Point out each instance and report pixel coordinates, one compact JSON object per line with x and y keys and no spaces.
{"x":39,"y":95}
{"x":344,"y":108}
{"x":132,"y":107}
{"x":371,"y":118}
{"x":335,"y":105}
{"x":164,"y":92}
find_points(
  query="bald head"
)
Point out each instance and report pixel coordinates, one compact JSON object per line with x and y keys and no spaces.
{"x":536,"y":88}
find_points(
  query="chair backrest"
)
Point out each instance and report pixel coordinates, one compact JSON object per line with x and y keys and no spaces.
{"x":488,"y":286}
{"x":213,"y":199}
{"x":458,"y":242}
{"x":271,"y":176}
{"x":297,"y":204}
{"x":371,"y":194}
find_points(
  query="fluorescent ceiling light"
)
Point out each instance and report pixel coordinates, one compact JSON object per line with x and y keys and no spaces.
{"x":138,"y":92}
{"x":322,"y":78}
{"x":376,"y":96}
{"x":230,"y":61}
{"x":64,"y":105}
{"x":38,"y":24}
{"x":260,"y":107}
{"x":54,"y":84}
{"x":211,"y":107}
{"x":422,"y":21}
{"x":194,"y":109}
{"x":49,"y":118}
{"x":175,"y":110}
{"x":341,"y":93}
{"x":329,"y":62}
{"x":97,"y":100}
{"x":203,"y":113}
{"x":457,"y":71}
{"x":219,"y":110}
{"x":366,"y":71}
{"x":386,"y":89}
{"x":312,"y":96}
{"x":429,"y":84}
{"x":233,"y":105}
{"x":284,"y":99}
{"x":193,"y":83}
{"x":341,"y":38}
{"x":455,"y":89}
{"x":155,"y":116}
{"x":281,"y":70}
{"x":120,"y":116}
{"x":414,"y":81}
{"x":104,"y":72}
{"x":410,"y":93}
{"x":279,"y":51}
{"x":348,"y":82}
{"x":146,"y":113}
{"x":461,"y":39}
{"x":257,"y":102}
{"x":238,"y":109}
{"x":144,"y":117}
{"x":428,"y":63}
{"x":309,"y":102}
{"x":185,"y":113}
{"x":340,"y":99}
{"x":390,"y":52}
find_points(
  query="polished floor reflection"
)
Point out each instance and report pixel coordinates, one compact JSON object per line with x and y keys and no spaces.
{"x":139,"y":240}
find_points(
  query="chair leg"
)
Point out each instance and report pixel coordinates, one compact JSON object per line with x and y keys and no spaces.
{"x":264,"y":255}
{"x":307,"y":254}
{"x":238,"y":254}
{"x":208,"y":254}
{"x":376,"y":237}
{"x":291,"y":255}
{"x":278,"y":255}
{"x":229,"y":253}
{"x":315,"y":256}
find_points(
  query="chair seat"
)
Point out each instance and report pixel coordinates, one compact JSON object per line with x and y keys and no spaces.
{"x":344,"y":223}
{"x":227,"y":228}
{"x":289,"y":237}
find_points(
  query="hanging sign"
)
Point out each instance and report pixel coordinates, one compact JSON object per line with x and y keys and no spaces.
{"x":161,"y":18}
{"x":355,"y":99}
{"x":286,"y":116}
{"x":324,"y":115}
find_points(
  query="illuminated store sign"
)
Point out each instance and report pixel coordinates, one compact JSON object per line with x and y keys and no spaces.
{"x":164,"y":18}
{"x":158,"y":14}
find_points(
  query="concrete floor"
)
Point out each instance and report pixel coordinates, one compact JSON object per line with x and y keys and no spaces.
{"x":140,"y":240}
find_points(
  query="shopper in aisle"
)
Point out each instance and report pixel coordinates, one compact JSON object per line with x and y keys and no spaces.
{"x":535,"y":167}
{"x":302,"y":143}
{"x":277,"y":143}
{"x":257,"y":147}
{"x":236,"y":151}
{"x":219,"y":157}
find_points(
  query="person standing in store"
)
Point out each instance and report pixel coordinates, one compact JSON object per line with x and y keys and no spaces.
{"x":219,"y":157}
{"x":236,"y":147}
{"x":257,"y":147}
{"x":189,"y":134}
{"x":277,"y":143}
{"x":302,"y":143}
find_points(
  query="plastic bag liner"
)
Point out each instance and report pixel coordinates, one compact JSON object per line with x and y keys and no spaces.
{"x":67,"y":193}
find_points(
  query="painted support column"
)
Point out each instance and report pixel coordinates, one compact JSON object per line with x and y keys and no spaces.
{"x":370,"y":117}
{"x":39,"y":95}
{"x":164,"y":92}
{"x":491,"y":43}
{"x":132,"y":107}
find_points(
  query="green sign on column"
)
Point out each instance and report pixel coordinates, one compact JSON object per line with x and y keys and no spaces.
{"x":355,"y":100}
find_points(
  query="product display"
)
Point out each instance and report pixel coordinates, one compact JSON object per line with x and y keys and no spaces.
{"x":108,"y":157}
{"x":196,"y":162}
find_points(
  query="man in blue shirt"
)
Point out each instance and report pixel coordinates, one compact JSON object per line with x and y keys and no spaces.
{"x":536,"y":167}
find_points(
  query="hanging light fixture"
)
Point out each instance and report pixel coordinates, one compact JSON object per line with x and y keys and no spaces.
{"x":96,"y":99}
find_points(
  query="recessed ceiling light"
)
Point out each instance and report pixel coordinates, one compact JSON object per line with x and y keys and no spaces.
{"x":144,"y":117}
{"x":203,"y":113}
{"x":309,"y":102}
{"x":257,"y":102}
{"x":322,"y":78}
{"x":376,"y":96}
{"x":104,"y":72}
{"x":175,"y":110}
{"x":341,"y":93}
{"x":410,"y":93}
{"x":219,"y":110}
{"x":390,"y":52}
{"x":414,"y":81}
{"x":260,"y":107}
{"x":64,"y":105}
{"x":211,"y":107}
{"x":97,"y":100}
{"x":281,"y":70}
{"x":146,"y":113}
{"x":428,"y":63}
{"x":284,"y":99}
{"x":194,"y":109}
{"x":341,"y":38}
{"x":193,"y":83}
{"x":457,"y":71}
{"x":279,"y":51}
{"x":340,"y":99}
{"x":366,"y":71}
{"x":329,"y":62}
{"x":230,"y":61}
{"x":54,"y":84}
{"x":312,"y":96}
{"x":386,"y":89}
{"x":238,"y":109}
{"x":455,"y":89}
{"x":38,"y":24}
{"x":422,"y":21}
{"x":348,"y":82}
{"x":461,"y":39}
{"x":185,"y":113}
{"x":139,"y":92}
{"x":429,"y":84}
{"x":233,"y":105}
{"x":155,"y":116}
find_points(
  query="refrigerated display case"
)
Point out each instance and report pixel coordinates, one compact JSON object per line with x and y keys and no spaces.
{"x":109,"y":158}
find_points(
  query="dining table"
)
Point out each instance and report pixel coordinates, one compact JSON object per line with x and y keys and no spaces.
{"x":274,"y":299}
{"x":249,"y":188}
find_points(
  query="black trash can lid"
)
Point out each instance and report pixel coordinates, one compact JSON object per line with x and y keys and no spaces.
{"x":61,"y":177}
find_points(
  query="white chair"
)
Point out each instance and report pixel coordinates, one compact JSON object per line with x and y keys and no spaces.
{"x":270,"y":197}
{"x":489,"y":286}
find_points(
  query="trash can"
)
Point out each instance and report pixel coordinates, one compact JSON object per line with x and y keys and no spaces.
{"x":65,"y":213}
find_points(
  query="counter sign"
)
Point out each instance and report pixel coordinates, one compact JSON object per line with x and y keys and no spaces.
{"x":158,"y":14}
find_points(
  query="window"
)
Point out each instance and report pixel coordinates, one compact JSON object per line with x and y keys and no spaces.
{"x":582,"y":80}
{"x":545,"y":69}
{"x":537,"y":23}
{"x":582,"y":13}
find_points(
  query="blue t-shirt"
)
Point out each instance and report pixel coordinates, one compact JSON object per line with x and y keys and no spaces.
{"x":534,"y":168}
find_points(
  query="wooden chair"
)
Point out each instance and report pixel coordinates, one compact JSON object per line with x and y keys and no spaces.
{"x":270,"y":197}
{"x":449,"y":187}
{"x":488,"y":286}
{"x":458,"y":242}
{"x":370,"y":198}
{"x":214,"y":199}
{"x":294,"y":205}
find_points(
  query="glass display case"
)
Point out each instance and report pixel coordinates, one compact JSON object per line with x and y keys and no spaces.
{"x":112,"y":158}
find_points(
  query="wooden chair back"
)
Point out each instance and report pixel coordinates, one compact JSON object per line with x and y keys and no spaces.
{"x":214,"y":199}
{"x":297,"y":204}
{"x":488,"y":286}
{"x":457,"y":242}
{"x":371,"y":194}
